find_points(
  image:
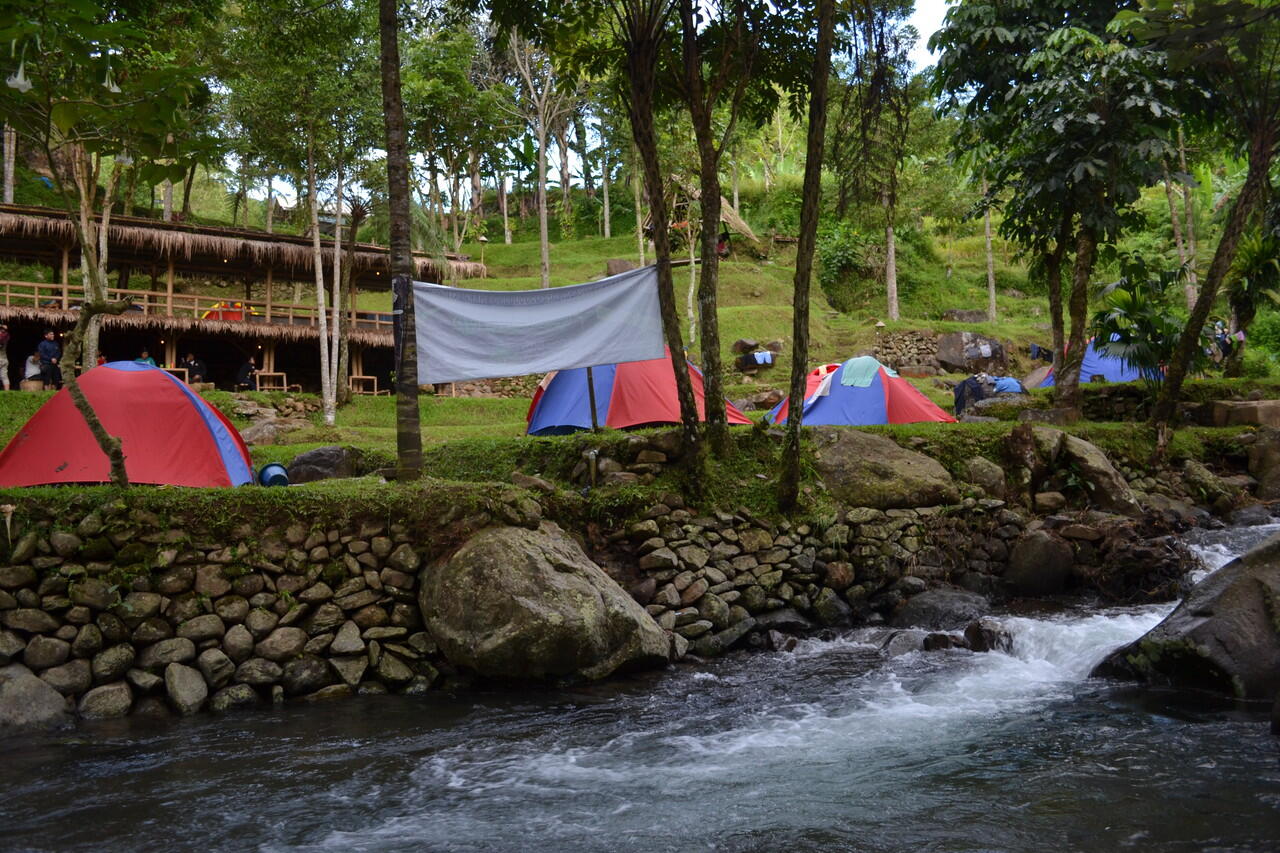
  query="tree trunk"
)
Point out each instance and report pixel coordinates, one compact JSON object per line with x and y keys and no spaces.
{"x":566,"y":181}
{"x":317,"y":259}
{"x":789,"y":476}
{"x":1189,"y":289}
{"x":186,"y":192}
{"x":502,"y":200}
{"x":90,"y":315}
{"x":635,"y":189}
{"x":408,"y":431}
{"x":271,"y":204}
{"x":737,"y":208}
{"x":1188,"y":215}
{"x":544,"y":239}
{"x":166,"y":210}
{"x":691,"y":312}
{"x":604,"y":188}
{"x":580,"y":134}
{"x":1261,"y":151}
{"x":991,"y":258}
{"x":477,"y":188}
{"x":890,"y":264}
{"x":1053,"y":281}
{"x":330,"y":403}
{"x":343,"y":319}
{"x":643,"y":38}
{"x":10,"y":161}
{"x":93,"y":244}
{"x":1067,"y":382}
{"x":710,"y":205}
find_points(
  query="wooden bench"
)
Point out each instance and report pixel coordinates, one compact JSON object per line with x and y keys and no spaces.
{"x":270,"y":381}
{"x":180,"y":372}
{"x":363,"y":385}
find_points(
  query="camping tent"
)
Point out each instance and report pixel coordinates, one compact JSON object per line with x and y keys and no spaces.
{"x":169,"y":434}
{"x":861,"y":391}
{"x":1110,"y":368}
{"x":628,"y":394}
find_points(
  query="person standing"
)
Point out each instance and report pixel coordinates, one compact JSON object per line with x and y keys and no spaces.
{"x":50,"y":355}
{"x":4,"y":355}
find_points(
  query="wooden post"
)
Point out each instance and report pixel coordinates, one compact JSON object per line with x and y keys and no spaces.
{"x":357,"y":360}
{"x":66,"y":275}
{"x":170,"y":352}
{"x":269,"y":287}
{"x":269,"y":357}
{"x":168,"y":289}
{"x":591,"y":399}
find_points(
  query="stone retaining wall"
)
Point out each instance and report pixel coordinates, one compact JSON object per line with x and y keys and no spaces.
{"x":125,"y":614}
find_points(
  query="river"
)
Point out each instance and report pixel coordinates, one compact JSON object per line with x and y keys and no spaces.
{"x":831,"y":747}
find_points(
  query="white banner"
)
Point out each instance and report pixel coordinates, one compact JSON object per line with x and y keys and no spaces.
{"x":486,"y":334}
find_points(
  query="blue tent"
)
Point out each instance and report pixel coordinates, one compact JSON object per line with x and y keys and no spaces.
{"x":1110,"y":368}
{"x":860,"y":392}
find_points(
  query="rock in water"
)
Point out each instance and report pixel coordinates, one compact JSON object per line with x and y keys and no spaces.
{"x":26,"y":702}
{"x":941,"y":609}
{"x":1040,"y":564}
{"x":865,"y":469}
{"x":1224,"y":636}
{"x":518,"y":603}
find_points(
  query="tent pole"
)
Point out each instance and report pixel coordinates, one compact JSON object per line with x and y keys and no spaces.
{"x":591,"y":398}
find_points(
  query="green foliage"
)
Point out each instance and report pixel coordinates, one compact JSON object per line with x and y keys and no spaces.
{"x":1264,"y":334}
{"x":848,"y":265}
{"x":1137,"y":324}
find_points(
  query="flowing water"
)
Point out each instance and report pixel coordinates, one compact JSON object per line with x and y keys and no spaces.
{"x":831,"y":747}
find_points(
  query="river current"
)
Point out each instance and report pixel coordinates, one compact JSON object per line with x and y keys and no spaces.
{"x":834,"y":746}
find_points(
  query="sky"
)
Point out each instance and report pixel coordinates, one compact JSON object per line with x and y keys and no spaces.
{"x":926,"y":19}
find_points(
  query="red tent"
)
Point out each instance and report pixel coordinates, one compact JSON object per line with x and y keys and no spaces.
{"x":169,"y":434}
{"x":628,"y":394}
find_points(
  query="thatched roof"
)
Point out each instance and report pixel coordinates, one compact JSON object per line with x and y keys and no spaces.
{"x":43,"y":232}
{"x":277,"y":331}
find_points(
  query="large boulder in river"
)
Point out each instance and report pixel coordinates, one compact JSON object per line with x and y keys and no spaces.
{"x":865,"y":469}
{"x":529,"y":604}
{"x":941,"y":609}
{"x":1108,"y":490}
{"x":1223,"y":637}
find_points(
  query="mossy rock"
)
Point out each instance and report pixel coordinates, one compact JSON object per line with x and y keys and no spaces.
{"x":864,"y":469}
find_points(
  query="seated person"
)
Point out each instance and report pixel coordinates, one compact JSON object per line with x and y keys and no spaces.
{"x":244,"y":376}
{"x":145,"y":358}
{"x":31,"y":367}
{"x":197,"y":370}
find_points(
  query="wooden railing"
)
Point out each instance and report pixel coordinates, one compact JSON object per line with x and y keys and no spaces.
{"x":58,"y":297}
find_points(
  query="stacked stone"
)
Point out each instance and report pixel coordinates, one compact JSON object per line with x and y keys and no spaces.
{"x":514,"y":386}
{"x":911,"y":352}
{"x":133,"y":617}
{"x":710,"y":579}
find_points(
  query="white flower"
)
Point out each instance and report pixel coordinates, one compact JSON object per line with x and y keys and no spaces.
{"x":19,"y":81}
{"x":109,"y":84}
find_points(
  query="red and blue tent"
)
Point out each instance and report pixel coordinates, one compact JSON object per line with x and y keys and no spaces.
{"x":1097,"y":363}
{"x":628,"y":394}
{"x":860,"y":392}
{"x":169,"y":434}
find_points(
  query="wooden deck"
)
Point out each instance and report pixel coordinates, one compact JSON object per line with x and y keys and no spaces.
{"x":56,"y":299}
